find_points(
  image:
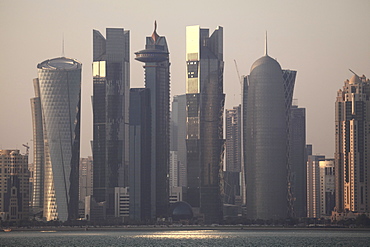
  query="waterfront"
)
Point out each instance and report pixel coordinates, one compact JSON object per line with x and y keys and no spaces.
{"x":245,"y":237}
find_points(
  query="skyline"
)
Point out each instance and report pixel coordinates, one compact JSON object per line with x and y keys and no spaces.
{"x":320,"y":40}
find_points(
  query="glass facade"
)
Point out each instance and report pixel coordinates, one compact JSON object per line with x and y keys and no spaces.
{"x":37,"y":196}
{"x":157,"y":80}
{"x":297,"y":161}
{"x":140,"y":154}
{"x":111,"y":61}
{"x":205,"y":102}
{"x":60,"y":94}
{"x":266,"y":142}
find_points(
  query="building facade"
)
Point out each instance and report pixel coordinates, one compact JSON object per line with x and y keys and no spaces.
{"x":178,"y":135}
{"x":14,"y":186}
{"x":313,"y":185}
{"x":297,"y":160}
{"x":86,"y":178}
{"x":266,"y":141}
{"x":59,"y":89}
{"x":327,"y":187}
{"x":233,"y":139}
{"x":352,"y":147}
{"x":155,"y":56}
{"x":233,"y":168}
{"x":37,"y":193}
{"x":111,"y":84}
{"x":205,"y":105}
{"x":140,"y":154}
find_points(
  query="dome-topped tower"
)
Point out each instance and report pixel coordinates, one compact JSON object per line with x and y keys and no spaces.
{"x":266,"y":141}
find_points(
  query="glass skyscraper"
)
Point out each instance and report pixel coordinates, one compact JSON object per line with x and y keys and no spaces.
{"x":266,"y":141}
{"x":205,"y":104}
{"x":111,"y":84}
{"x":59,"y":91}
{"x":157,"y":80}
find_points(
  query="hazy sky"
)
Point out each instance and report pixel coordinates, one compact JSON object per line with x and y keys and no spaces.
{"x":321,"y":39}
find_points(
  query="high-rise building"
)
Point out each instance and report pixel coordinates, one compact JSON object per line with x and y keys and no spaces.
{"x":178,"y":135}
{"x":266,"y":140}
{"x":327,"y":187}
{"x":352,"y":149}
{"x":313,"y":185}
{"x":297,"y":160}
{"x":14,"y":186}
{"x":233,"y":139}
{"x":140,"y":155}
{"x":58,"y":88}
{"x":233,"y":155}
{"x":37,"y":193}
{"x":205,"y":104}
{"x":111,"y":84}
{"x":157,"y":80}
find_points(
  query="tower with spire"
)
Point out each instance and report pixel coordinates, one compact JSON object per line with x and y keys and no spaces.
{"x":266,"y":103}
{"x":155,"y":57}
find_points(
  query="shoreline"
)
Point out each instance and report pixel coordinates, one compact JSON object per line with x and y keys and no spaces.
{"x":184,"y":228}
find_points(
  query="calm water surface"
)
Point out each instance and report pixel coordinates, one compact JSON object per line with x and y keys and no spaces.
{"x":188,"y":238}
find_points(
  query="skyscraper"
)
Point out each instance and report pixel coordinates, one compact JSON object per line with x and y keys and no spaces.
{"x":266,"y":167}
{"x":352,"y":149}
{"x":233,"y":155}
{"x":111,"y":84}
{"x":205,"y":104}
{"x":59,"y":89}
{"x":297,"y":160}
{"x":157,"y":80}
{"x":140,"y":154}
{"x":233,"y":139}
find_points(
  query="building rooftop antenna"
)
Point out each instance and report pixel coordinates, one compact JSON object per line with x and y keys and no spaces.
{"x":266,"y":43}
{"x":353,"y":72}
{"x":63,"y":46}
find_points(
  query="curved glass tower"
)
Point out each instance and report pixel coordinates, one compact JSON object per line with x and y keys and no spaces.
{"x":204,"y":123}
{"x":266,"y":141}
{"x":59,"y":86}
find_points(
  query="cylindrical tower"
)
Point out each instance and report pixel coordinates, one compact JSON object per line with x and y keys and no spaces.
{"x":60,"y":95}
{"x":266,"y":142}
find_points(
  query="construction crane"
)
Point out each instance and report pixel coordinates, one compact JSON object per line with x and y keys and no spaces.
{"x":237,"y":71}
{"x":27,"y":148}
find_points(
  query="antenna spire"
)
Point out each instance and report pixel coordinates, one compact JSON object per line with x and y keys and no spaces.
{"x":266,"y":44}
{"x":353,"y":72}
{"x":63,"y":46}
{"x":155,"y":36}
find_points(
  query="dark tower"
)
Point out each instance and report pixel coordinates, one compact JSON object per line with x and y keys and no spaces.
{"x":157,"y":80}
{"x":110,"y":114}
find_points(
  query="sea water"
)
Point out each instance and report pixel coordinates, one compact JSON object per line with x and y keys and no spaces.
{"x":187,"y":238}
